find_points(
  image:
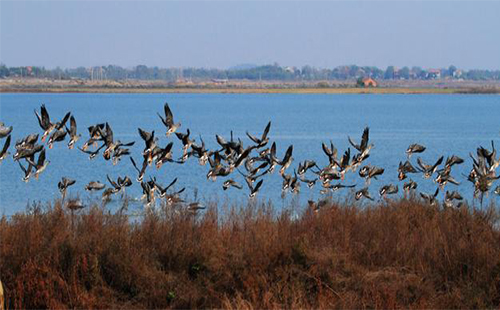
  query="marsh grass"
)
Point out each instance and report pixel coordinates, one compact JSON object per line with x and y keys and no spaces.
{"x":396,"y":254}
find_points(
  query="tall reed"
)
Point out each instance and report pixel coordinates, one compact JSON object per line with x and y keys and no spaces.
{"x":401,"y":254}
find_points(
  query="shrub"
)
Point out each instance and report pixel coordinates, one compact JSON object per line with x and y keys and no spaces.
{"x":401,"y":254}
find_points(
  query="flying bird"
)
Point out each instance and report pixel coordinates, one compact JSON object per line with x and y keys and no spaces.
{"x":414,"y":148}
{"x":4,"y":130}
{"x":168,"y":121}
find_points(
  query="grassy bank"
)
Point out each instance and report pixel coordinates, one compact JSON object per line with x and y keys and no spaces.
{"x":346,"y":90}
{"x":243,"y":86}
{"x":398,"y":255}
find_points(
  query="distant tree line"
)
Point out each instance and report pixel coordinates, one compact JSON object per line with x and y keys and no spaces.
{"x":265,"y":73}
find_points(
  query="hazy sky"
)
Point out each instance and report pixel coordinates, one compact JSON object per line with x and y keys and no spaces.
{"x":226,"y":33}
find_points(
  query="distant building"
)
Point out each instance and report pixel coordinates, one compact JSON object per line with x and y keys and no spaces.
{"x":457,"y":73}
{"x":433,"y":74}
{"x":181,"y":82}
{"x":220,"y":81}
{"x":367,"y":82}
{"x":396,"y":74}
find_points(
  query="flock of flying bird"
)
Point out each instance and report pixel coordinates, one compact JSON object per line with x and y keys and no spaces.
{"x":252,"y":163}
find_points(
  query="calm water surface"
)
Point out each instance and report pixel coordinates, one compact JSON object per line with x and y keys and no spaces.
{"x":445,"y":124}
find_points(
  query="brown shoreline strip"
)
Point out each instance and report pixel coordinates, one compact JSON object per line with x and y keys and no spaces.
{"x":257,"y":90}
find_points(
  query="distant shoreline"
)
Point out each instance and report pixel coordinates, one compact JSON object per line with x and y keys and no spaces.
{"x":347,"y":90}
{"x":24,"y":85}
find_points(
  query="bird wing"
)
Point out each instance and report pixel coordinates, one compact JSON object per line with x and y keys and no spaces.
{"x":169,"y":118}
{"x":171,"y":184}
{"x":266,"y":131}
{"x":376,"y":171}
{"x":109,"y":135}
{"x":453,"y":160}
{"x":5,"y":146}
{"x":62,"y":123}
{"x":144,"y":166}
{"x":72,"y":126}
{"x":438,"y":162}
{"x":180,"y":135}
{"x":168,"y":148}
{"x":263,"y":165}
{"x":127,"y":181}
{"x":425,"y":196}
{"x":128,"y":144}
{"x":408,"y":167}
{"x":345,"y":159}
{"x":133,"y":163}
{"x":162,"y":119}
{"x":144,"y":134}
{"x":253,"y":138}
{"x":421,"y":148}
{"x":357,"y":147}
{"x":333,"y":149}
{"x":217,"y":159}
{"x":309,"y":164}
{"x":41,"y":121}
{"x":273,"y":151}
{"x":422,"y":165}
{"x":85,"y":151}
{"x":456,"y":195}
{"x":45,"y":116}
{"x":41,"y":158}
{"x":91,"y":130}
{"x":364,"y":138}
{"x":22,"y":167}
{"x":259,"y":184}
{"x":326,"y":150}
{"x":221,"y":141}
{"x":249,"y":184}
{"x":180,"y":191}
{"x":242,"y":157}
{"x":97,"y":128}
{"x":113,"y":183}
{"x":288,"y":154}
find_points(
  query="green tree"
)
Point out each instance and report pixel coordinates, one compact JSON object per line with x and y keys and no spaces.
{"x":405,"y":73}
{"x":4,"y":71}
{"x":451,"y":70}
{"x":389,"y":73}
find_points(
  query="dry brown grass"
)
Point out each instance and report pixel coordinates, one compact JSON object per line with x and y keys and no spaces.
{"x":443,"y":86}
{"x":396,"y":255}
{"x":253,"y":90}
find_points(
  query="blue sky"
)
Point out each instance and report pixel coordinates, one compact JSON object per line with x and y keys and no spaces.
{"x":222,"y":34}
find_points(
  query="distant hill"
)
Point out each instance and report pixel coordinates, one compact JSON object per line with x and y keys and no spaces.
{"x":243,"y":67}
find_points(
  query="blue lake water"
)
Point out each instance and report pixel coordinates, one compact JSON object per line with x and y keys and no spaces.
{"x":445,"y":124}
